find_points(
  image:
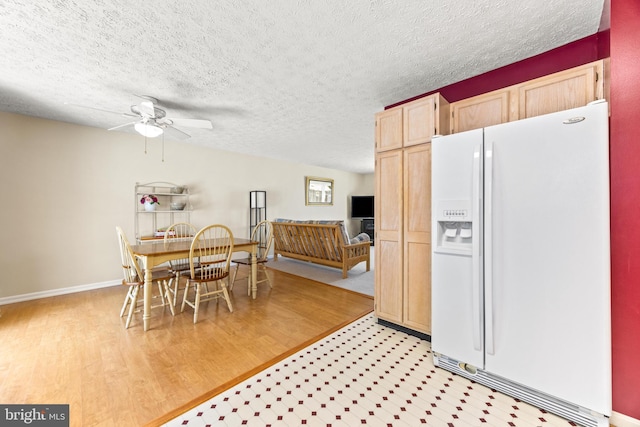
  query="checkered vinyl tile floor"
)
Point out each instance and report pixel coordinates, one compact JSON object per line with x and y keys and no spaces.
{"x":365,"y":374}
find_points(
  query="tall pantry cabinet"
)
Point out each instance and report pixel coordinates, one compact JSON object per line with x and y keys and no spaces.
{"x":403,"y":210}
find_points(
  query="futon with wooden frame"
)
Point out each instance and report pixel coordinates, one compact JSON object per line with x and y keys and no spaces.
{"x":321,"y":242}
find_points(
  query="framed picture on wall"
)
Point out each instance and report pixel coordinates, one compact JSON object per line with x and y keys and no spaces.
{"x":318,"y":191}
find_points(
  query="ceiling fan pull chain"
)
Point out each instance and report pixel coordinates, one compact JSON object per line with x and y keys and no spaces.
{"x":145,"y":145}
{"x":163,"y":148}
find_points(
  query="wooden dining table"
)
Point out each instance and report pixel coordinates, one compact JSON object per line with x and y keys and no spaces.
{"x":153,"y":254}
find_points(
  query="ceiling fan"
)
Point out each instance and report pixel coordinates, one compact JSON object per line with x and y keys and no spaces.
{"x":152,"y":121}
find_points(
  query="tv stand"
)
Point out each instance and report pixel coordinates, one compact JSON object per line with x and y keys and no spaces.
{"x":367,"y":226}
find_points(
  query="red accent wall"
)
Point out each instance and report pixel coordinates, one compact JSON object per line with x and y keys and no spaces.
{"x":622,"y":45}
{"x":580,"y":52}
{"x":625,"y":205}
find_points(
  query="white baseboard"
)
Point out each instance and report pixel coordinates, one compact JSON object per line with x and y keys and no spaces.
{"x":620,"y":420}
{"x":56,"y":292}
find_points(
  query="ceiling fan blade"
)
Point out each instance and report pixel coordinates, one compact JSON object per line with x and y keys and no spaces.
{"x":191,"y":123}
{"x":175,"y":133}
{"x":124,"y":125}
{"x":101,"y":109}
{"x":147,"y":98}
{"x":147,"y":109}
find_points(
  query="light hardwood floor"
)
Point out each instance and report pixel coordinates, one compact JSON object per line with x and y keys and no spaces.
{"x":73,"y":349}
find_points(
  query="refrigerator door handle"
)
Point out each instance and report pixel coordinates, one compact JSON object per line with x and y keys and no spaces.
{"x":476,"y":284}
{"x":488,"y":253}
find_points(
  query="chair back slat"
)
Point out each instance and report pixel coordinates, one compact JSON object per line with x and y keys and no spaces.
{"x":130,"y":267}
{"x":180,"y":231}
{"x":210,"y":254}
{"x":263,"y":234}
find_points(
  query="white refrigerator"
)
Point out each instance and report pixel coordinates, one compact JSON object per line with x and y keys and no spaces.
{"x":521,"y":260}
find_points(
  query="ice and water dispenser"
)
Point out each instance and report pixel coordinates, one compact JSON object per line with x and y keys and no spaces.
{"x":455,"y":228}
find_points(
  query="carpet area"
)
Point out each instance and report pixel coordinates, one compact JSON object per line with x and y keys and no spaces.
{"x":359,"y":279}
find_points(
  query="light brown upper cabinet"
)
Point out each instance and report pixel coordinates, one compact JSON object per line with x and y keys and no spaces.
{"x":567,"y":89}
{"x":412,"y":123}
{"x":389,"y":129}
{"x":571,"y":88}
{"x":491,"y":108}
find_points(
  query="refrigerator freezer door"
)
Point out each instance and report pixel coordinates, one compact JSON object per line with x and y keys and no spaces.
{"x":456,"y":275}
{"x":549,"y":279}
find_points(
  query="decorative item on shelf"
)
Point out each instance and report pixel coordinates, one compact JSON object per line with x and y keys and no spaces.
{"x":163,"y":203}
{"x":149,"y":201}
{"x":160,"y":232}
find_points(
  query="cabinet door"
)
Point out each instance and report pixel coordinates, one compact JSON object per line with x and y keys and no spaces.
{"x":388,"y":224}
{"x":483,"y":110}
{"x":419,"y":121}
{"x":389,"y":129}
{"x":560,"y":91}
{"x":417,"y":238}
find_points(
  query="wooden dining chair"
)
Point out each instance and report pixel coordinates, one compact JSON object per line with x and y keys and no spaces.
{"x":209,"y":260}
{"x":263,"y":234}
{"x":180,"y":231}
{"x":134,"y":280}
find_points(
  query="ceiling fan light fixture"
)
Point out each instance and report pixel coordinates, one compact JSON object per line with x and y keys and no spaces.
{"x":150,"y":130}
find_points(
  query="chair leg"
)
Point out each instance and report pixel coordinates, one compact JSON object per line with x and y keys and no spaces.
{"x":168,"y":300}
{"x":266,"y":275}
{"x":262,"y":269}
{"x":176,"y":286}
{"x":132,"y":307}
{"x":249,"y":282}
{"x":184,"y":296}
{"x":160,"y":292}
{"x":127,"y":298}
{"x":235,"y":273}
{"x":197,"y":303}
{"x":226,"y":296}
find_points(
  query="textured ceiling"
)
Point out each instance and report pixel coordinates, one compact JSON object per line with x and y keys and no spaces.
{"x":293,"y":80}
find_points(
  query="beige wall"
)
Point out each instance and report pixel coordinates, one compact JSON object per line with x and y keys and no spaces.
{"x":65,"y":188}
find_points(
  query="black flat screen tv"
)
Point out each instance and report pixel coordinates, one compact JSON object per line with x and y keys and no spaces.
{"x":361,"y":206}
